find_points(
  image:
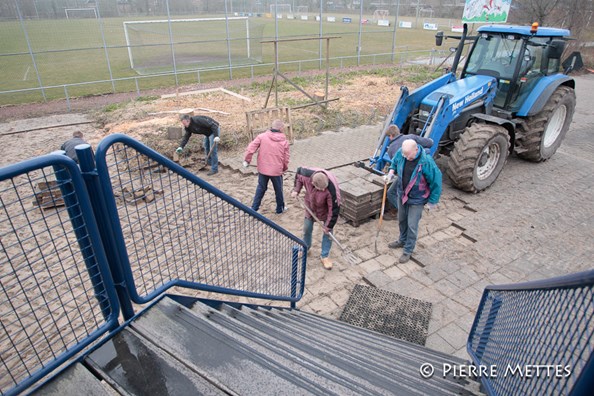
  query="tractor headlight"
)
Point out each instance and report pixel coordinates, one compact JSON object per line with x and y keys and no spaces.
{"x":424,"y":113}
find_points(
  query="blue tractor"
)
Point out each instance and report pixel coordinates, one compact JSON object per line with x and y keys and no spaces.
{"x":510,"y":97}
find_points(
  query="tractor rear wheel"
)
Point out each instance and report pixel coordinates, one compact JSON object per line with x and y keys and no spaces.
{"x":545,"y":131}
{"x":478,"y":157}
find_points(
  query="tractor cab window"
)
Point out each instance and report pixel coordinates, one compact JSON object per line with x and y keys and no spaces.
{"x":495,"y":55}
{"x":534,"y":66}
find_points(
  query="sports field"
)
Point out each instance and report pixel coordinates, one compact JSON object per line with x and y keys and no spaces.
{"x":73,"y":51}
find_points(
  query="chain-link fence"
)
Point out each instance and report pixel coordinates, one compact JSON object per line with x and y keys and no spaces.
{"x":67,"y":48}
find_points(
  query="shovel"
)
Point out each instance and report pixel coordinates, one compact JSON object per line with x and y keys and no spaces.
{"x":379,"y":226}
{"x":207,"y":157}
{"x":347,"y":253}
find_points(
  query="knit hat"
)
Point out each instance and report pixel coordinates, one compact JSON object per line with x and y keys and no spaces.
{"x":320,"y":180}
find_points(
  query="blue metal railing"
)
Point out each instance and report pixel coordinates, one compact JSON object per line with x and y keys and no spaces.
{"x":173,"y":229}
{"x":539,"y":337}
{"x":56,"y":292}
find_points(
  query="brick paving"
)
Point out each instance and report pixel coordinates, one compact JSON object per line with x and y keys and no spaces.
{"x":536,"y":221}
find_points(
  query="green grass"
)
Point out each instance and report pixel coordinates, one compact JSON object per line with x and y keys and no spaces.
{"x":71,"y":52}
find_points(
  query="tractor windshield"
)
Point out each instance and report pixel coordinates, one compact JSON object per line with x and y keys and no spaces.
{"x":495,"y":55}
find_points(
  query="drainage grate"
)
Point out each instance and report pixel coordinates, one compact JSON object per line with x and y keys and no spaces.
{"x":388,"y":313}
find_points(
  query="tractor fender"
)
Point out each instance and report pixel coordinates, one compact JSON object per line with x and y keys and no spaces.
{"x":541,"y":93}
{"x":507,"y":124}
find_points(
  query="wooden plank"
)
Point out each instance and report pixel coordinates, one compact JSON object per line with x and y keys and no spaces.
{"x":75,"y":380}
{"x":235,"y":94}
{"x":135,"y":366}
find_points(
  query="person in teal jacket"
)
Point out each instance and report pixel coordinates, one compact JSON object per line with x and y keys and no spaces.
{"x":418,"y":183}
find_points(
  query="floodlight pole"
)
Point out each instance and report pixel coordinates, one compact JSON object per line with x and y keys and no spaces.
{"x":321,"y":33}
{"x":228,"y":42}
{"x":395,"y":27}
{"x":360,"y":28}
{"x":171,"y":43}
{"x":105,"y":48}
{"x":30,"y":49}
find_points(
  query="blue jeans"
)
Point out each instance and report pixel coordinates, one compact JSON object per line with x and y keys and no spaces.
{"x":408,"y":221}
{"x":277,"y":183}
{"x":326,"y":240}
{"x":213,"y":161}
{"x":392,"y":194}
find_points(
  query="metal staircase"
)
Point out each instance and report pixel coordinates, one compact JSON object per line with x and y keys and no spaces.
{"x":218,"y":348}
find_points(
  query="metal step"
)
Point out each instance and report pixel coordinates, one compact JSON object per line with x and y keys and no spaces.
{"x":390,"y":365}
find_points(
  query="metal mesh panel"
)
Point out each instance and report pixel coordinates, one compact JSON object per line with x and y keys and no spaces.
{"x":517,"y":329}
{"x":178,"y":228}
{"x":53,"y":297}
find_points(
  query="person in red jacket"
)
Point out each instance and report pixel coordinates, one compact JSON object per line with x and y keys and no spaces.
{"x":273,"y":160}
{"x":322,"y":197}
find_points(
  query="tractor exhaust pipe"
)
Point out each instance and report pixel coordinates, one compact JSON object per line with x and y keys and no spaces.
{"x":460,"y":49}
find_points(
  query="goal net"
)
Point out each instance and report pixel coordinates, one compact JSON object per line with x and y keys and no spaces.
{"x":280,"y":9}
{"x":302,"y":9}
{"x":79,"y":13}
{"x":197,"y":43}
{"x":381,"y":15}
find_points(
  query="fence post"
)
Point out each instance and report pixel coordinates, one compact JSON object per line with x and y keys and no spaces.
{"x":26,"y":33}
{"x":67,"y":98}
{"x":78,"y":225}
{"x":137,"y":87}
{"x":86,"y":159}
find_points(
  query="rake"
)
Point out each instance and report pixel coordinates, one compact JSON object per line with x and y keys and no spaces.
{"x":347,"y":253}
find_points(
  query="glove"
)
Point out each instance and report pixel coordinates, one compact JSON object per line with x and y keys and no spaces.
{"x":431,"y":206}
{"x":245,"y":164}
{"x":217,"y":139}
{"x":179,"y":150}
{"x":294,"y":194}
{"x":388,"y":177}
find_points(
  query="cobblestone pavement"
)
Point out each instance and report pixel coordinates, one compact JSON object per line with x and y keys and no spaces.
{"x":536,"y":221}
{"x":328,"y":150}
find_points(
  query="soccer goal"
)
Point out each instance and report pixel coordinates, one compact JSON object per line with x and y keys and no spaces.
{"x":280,"y":9}
{"x":79,"y":13}
{"x":196,"y":43}
{"x":381,"y":15}
{"x":302,"y":9}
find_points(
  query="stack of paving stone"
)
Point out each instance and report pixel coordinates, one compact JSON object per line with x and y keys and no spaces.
{"x":361,"y":193}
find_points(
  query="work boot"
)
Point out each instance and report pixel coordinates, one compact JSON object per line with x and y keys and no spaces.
{"x":212,"y":173}
{"x":327,"y":263}
{"x":404,"y":258}
{"x":395,"y":245}
{"x":391,"y":214}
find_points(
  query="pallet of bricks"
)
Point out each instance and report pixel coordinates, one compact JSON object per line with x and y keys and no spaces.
{"x":361,"y":193}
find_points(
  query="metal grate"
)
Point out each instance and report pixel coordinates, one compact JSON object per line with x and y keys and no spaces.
{"x":388,"y":313}
{"x":55,"y":291}
{"x":540,"y":323}
{"x":180,"y":230}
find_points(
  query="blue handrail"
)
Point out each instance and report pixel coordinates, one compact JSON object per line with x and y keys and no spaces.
{"x":544,"y":327}
{"x":119,"y":173}
{"x":41,"y":268}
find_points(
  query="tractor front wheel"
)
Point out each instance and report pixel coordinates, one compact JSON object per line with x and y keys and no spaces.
{"x":478,"y":157}
{"x":545,"y":131}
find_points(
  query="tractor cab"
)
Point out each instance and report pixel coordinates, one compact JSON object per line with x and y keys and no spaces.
{"x":518,"y":57}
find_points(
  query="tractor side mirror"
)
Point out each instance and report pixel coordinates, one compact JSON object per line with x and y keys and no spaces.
{"x":439,"y":38}
{"x":556,"y":49}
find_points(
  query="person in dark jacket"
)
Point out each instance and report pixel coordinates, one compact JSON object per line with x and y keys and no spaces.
{"x":202,"y":125}
{"x":322,"y":197}
{"x":70,"y":145}
{"x":418,"y":183}
{"x":395,"y":143}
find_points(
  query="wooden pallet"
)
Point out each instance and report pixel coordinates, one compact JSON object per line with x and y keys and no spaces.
{"x":48,"y":195}
{"x":259,"y":121}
